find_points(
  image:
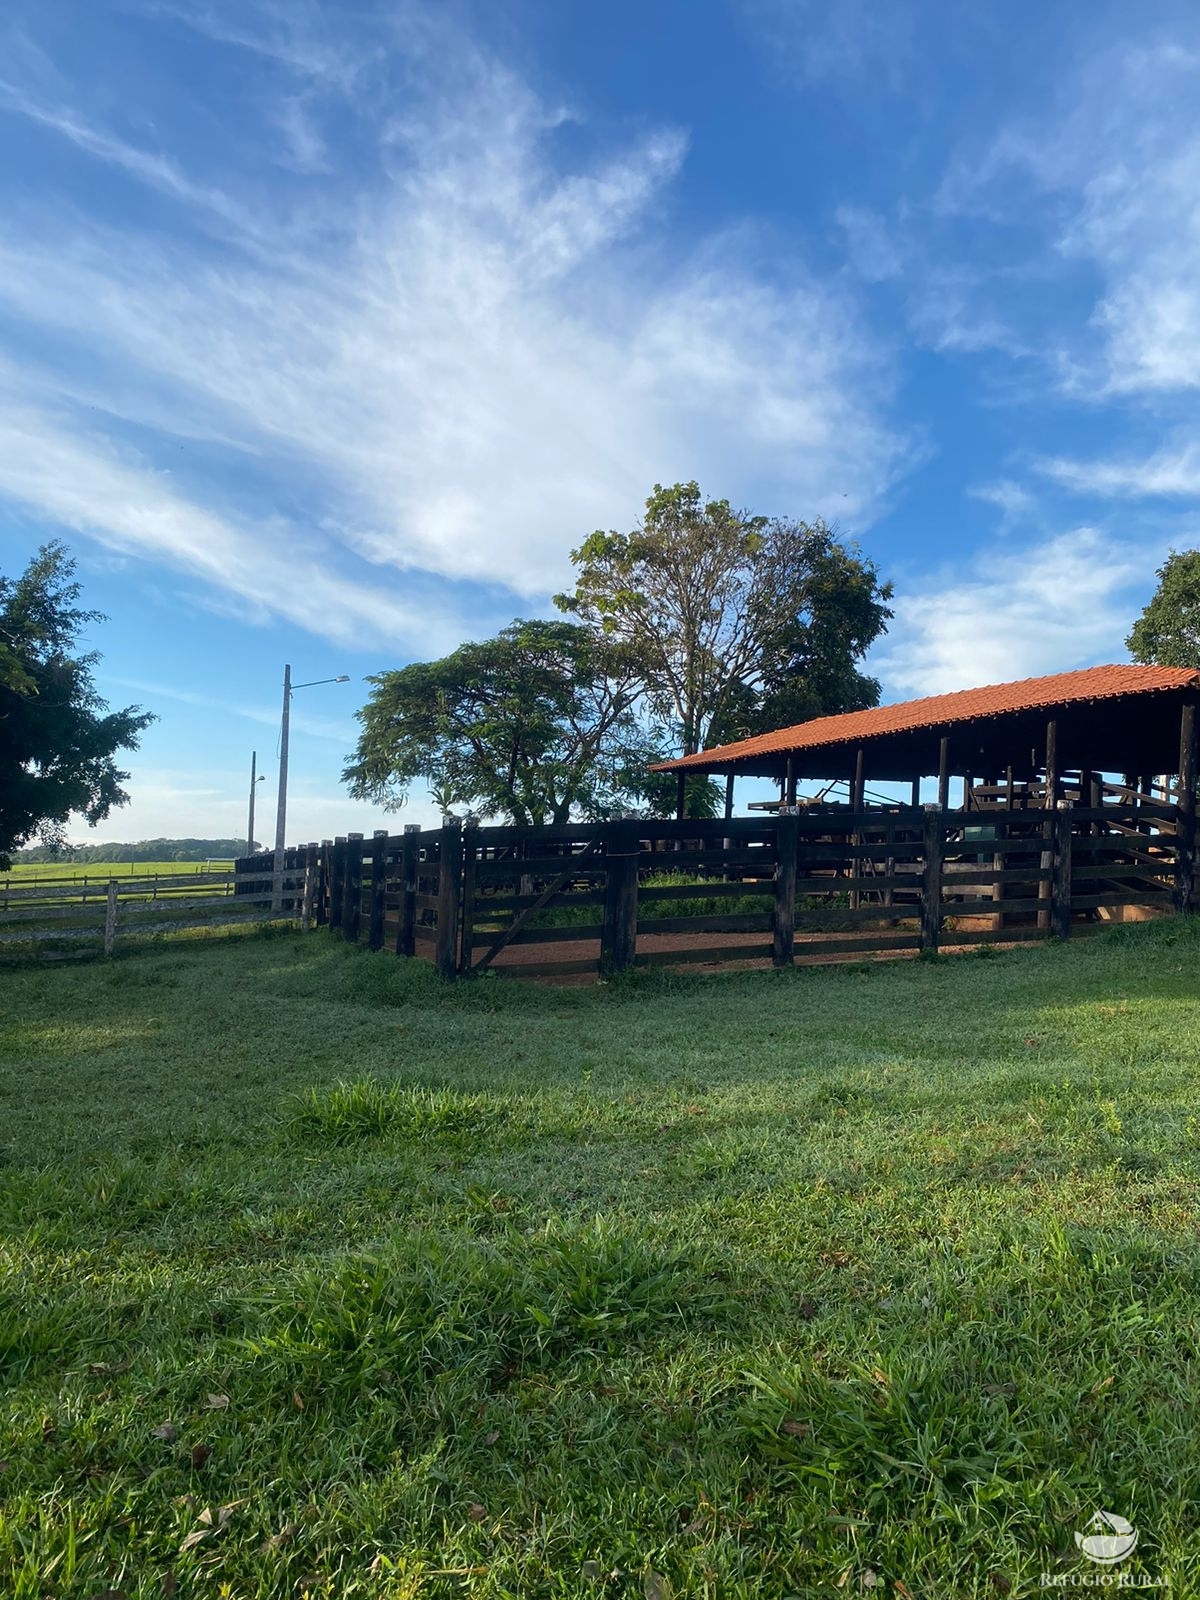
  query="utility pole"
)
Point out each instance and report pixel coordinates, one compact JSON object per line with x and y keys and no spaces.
{"x":255,"y":780}
{"x":281,"y":807}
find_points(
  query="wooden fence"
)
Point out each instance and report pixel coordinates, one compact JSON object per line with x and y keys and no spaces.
{"x":834,"y":884}
{"x":99,"y":908}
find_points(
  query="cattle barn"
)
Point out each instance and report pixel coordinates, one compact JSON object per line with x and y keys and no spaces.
{"x":1087,"y":736}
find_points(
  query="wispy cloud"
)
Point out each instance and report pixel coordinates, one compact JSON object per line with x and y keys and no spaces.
{"x":1013,"y":499}
{"x":1110,"y":174}
{"x":1170,"y":473}
{"x":456,"y":366}
{"x":1040,"y":608}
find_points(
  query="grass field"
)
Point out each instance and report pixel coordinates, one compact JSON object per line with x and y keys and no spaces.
{"x":24,"y":873}
{"x":320,"y":1278}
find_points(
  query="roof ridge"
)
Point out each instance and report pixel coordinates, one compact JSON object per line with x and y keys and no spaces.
{"x":1106,"y":681}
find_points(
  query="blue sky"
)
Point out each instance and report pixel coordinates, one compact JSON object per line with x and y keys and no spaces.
{"x":327,"y":329}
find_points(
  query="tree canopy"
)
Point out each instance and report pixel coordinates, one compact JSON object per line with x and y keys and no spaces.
{"x":528,"y":726}
{"x":137,"y":850}
{"x":58,"y":739}
{"x":1167,"y":634}
{"x":735,"y":623}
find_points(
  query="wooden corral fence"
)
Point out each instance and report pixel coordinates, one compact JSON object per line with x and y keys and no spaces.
{"x":834,"y":884}
{"x":95,"y":907}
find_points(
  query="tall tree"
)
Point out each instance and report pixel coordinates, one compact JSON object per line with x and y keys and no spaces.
{"x":527,"y":726}
{"x":738,"y":623}
{"x":58,"y":739}
{"x":1167,"y":634}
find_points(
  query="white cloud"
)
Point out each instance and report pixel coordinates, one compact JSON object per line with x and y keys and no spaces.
{"x":459,"y":367}
{"x":1034,"y":610}
{"x":85,"y":484}
{"x":1008,"y":497}
{"x":1111,"y":174}
{"x":1170,"y":472}
{"x":814,"y":40}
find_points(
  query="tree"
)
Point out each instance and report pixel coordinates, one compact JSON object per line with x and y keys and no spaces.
{"x":1167,"y":634}
{"x":526,"y":726}
{"x":57,"y":737}
{"x":738,"y":623}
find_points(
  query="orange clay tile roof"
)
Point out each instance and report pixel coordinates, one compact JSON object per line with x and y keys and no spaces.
{"x":964,"y":705}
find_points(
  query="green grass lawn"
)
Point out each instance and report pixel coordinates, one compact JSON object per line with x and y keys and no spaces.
{"x":22,"y":874}
{"x":320,"y":1278}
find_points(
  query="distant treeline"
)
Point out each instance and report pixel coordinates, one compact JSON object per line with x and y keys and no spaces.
{"x":143,"y":850}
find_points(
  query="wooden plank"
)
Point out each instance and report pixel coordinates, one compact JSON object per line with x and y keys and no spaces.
{"x":858,"y":944}
{"x":586,"y":865}
{"x":110,"y":919}
{"x":1118,"y":869}
{"x":1141,"y":897}
{"x":522,"y":918}
{"x":1060,"y":886}
{"x":987,"y":907}
{"x":885,"y":882}
{"x":750,"y":922}
{"x":708,"y":953}
{"x":584,"y":933}
{"x":709,"y":888}
{"x":487,"y":905}
{"x":148,"y":888}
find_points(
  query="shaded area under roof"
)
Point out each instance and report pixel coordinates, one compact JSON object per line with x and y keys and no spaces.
{"x":1110,"y":719}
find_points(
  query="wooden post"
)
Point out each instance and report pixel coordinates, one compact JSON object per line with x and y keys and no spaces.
{"x":1060,"y":916}
{"x":728,"y":796}
{"x":449,"y":896}
{"x":790,"y":782}
{"x":1045,"y":917}
{"x":1051,"y":764}
{"x":943,"y":798}
{"x":680,"y":795}
{"x":1185,"y":814}
{"x":378,"y":889}
{"x":322,"y":917}
{"x":352,"y":887}
{"x":470,"y":853}
{"x":409,"y":850}
{"x":1010,"y":799}
{"x":110,"y":917}
{"x":306,"y":903}
{"x":933,"y":835}
{"x":783,"y":945}
{"x":337,"y":880}
{"x":916,"y":793}
{"x":618,"y":939}
{"x":856,"y":804}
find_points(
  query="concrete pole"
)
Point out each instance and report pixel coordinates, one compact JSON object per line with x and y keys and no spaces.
{"x":281,"y":806}
{"x":253,"y":787}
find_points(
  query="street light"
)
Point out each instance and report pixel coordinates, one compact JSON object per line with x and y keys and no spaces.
{"x":254,"y":782}
{"x":281,"y":809}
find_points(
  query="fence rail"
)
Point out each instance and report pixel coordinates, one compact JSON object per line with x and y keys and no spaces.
{"x":600,"y":897}
{"x":65,"y":908}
